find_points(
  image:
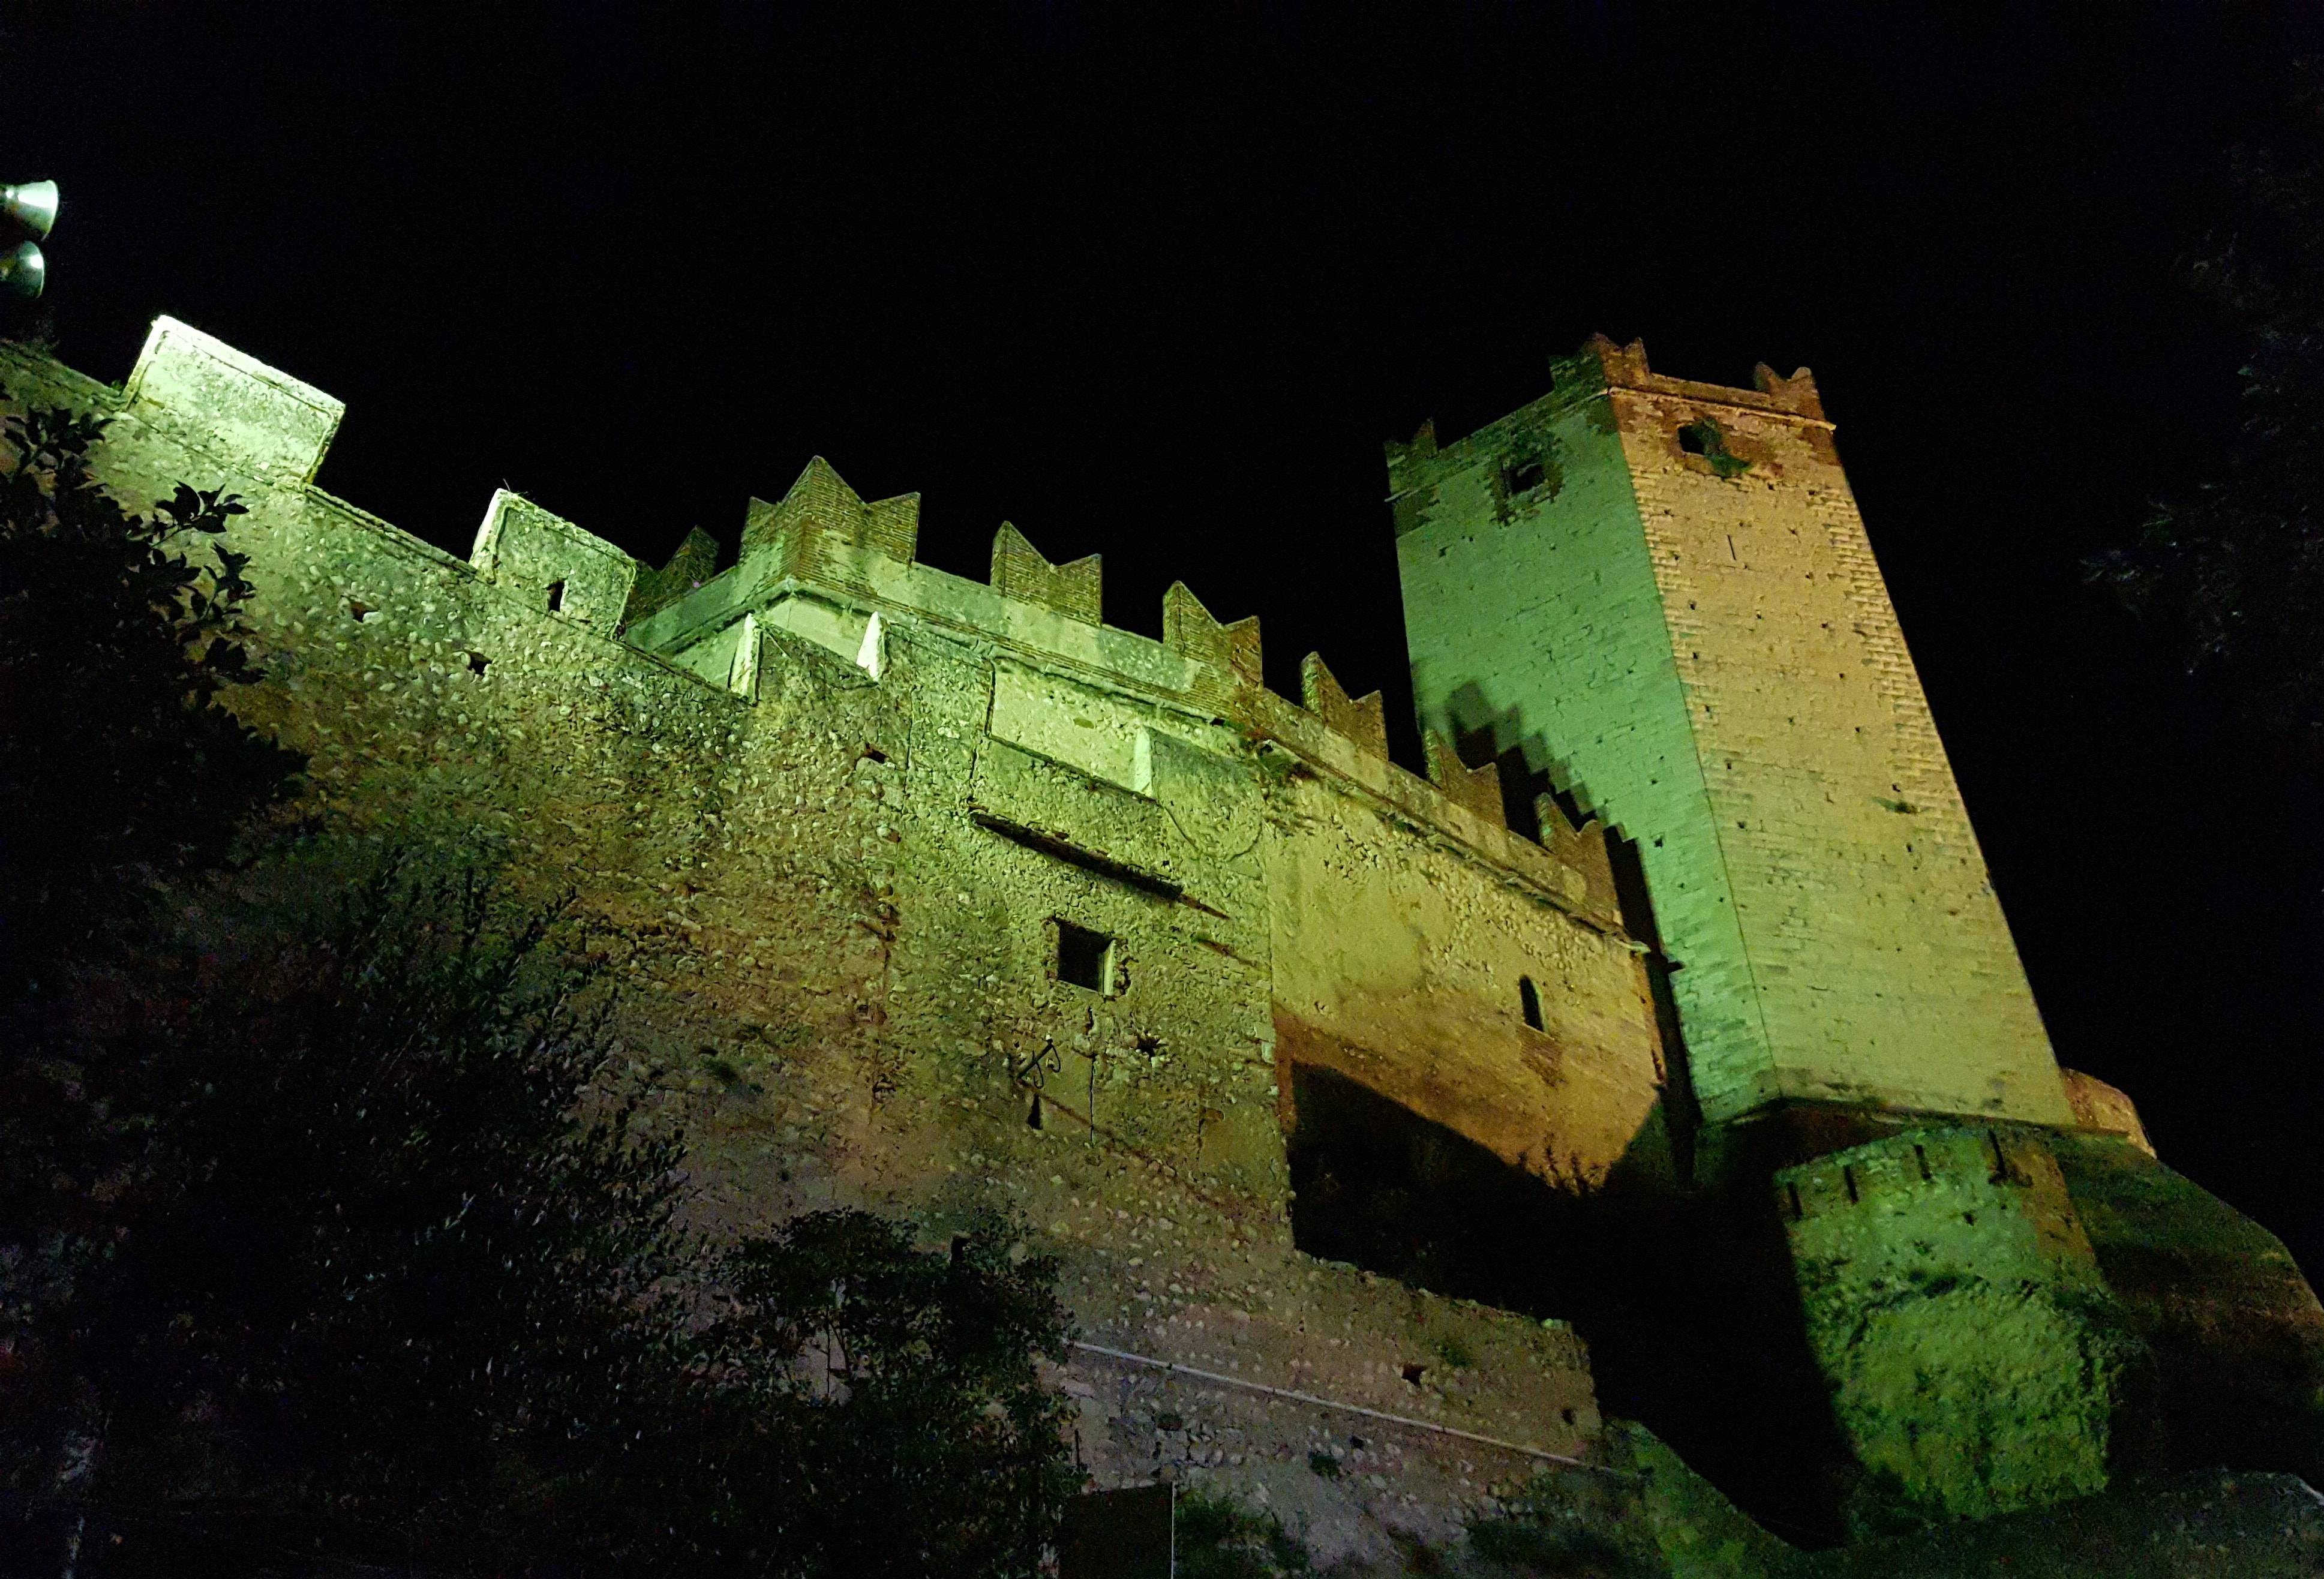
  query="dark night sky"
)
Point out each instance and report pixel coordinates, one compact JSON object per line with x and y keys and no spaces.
{"x":1157,"y":280}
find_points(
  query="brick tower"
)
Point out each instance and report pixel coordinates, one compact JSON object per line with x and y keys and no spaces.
{"x":1661,"y":593}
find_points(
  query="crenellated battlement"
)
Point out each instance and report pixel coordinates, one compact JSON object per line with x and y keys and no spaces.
{"x":695,"y":561}
{"x":1601,"y":364}
{"x":1520,"y":440}
{"x":548,"y":560}
{"x":819,"y":560}
{"x":823,"y":562}
{"x":1019,"y":570}
{"x":1479,"y":789}
{"x":223,"y":402}
{"x":1363,"y":719}
{"x":820,"y":506}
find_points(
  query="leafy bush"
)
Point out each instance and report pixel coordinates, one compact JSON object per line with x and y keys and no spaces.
{"x":116,"y":767}
{"x":1219,"y":1538}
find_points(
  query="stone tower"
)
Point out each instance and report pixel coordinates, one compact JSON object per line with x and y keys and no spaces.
{"x":1661,"y":593}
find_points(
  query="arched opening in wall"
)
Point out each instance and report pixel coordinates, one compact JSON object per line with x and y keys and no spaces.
{"x":556,"y":597}
{"x":1529,"y":1002}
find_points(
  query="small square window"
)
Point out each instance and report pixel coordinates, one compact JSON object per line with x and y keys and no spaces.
{"x":1523,"y":476}
{"x":1084,"y":958}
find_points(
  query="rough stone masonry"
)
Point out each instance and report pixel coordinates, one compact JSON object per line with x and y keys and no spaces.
{"x":955,"y":900}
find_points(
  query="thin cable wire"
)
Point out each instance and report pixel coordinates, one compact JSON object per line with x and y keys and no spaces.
{"x":1325,"y":1403}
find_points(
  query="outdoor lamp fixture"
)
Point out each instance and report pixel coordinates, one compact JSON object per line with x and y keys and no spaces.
{"x":26,"y":211}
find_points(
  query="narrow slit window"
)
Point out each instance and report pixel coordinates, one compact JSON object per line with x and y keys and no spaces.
{"x":1084,"y":958}
{"x":557,"y":598}
{"x":1529,"y":1002}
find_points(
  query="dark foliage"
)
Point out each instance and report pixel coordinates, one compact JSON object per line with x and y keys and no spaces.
{"x":355,"y":1225}
{"x":365,"y":1244}
{"x":871,"y":1408}
{"x":2235,"y":571}
{"x":116,"y":767}
{"x":1219,"y":1538}
{"x":1554,"y":1529}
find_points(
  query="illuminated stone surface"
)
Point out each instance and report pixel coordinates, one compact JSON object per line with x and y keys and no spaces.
{"x":1953,"y":1298}
{"x":946,"y":899}
{"x":1706,"y":656}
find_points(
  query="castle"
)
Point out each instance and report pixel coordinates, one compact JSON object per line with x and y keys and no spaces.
{"x":1663,"y":1047}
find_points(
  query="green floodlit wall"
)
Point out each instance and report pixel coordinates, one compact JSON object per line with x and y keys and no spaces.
{"x":1700,"y":646}
{"x":1976,"y":1360}
{"x":1567,"y":567}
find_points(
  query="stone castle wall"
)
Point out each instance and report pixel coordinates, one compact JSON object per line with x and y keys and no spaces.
{"x":946,"y":899}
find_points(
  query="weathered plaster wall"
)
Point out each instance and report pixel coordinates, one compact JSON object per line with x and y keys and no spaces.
{"x":1701,"y":645}
{"x":1400,"y":965}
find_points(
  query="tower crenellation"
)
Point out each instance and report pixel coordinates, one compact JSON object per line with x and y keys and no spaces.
{"x":1363,"y":719}
{"x":1019,"y":570}
{"x":546,"y":558}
